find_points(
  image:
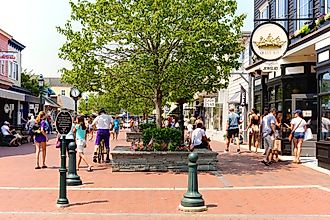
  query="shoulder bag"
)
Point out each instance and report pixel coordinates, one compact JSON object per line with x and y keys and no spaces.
{"x":291,"y":134}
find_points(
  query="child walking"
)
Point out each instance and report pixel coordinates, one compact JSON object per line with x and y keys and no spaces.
{"x":80,"y":131}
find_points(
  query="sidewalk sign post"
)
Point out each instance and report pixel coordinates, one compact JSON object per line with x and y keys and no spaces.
{"x":63,"y":124}
{"x":73,"y":179}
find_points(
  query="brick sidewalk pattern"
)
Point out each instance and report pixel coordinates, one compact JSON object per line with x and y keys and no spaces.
{"x":242,"y":188}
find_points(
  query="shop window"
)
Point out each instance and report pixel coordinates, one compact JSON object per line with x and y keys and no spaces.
{"x":325,"y":117}
{"x":217,"y":114}
{"x":278,"y":93}
{"x":325,"y":83}
{"x":271,"y":94}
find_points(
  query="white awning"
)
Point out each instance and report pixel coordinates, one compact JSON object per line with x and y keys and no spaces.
{"x":66,"y":102}
{"x":235,"y":99}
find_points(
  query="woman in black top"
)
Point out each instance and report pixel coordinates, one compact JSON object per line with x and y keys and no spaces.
{"x":254,"y":129}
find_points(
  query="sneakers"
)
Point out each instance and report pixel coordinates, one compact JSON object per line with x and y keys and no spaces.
{"x":238,"y":151}
{"x":226,"y":151}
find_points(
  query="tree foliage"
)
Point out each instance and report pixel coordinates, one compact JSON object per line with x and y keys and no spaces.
{"x":29,"y":81}
{"x":156,"y":50}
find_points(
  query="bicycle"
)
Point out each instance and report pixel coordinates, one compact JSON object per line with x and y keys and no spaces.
{"x":100,"y":152}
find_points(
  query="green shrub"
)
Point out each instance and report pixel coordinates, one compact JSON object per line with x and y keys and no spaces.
{"x":170,"y":136}
{"x":147,"y":125}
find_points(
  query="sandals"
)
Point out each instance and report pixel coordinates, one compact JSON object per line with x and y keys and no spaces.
{"x":37,"y":168}
{"x":44,"y":167}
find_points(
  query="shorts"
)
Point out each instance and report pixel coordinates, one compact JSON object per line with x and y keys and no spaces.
{"x":116,"y":130}
{"x":81,"y":144}
{"x":277,"y":145}
{"x":103,"y":134}
{"x":232,"y":132}
{"x":299,"y":135}
{"x":268,"y":142}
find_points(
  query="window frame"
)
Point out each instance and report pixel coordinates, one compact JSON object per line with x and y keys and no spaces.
{"x":63,"y":92}
{"x":299,"y":24}
{"x":285,"y":12}
{"x":262,"y":9}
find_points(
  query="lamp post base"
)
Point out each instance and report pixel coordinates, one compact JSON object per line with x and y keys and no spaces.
{"x":73,"y":180}
{"x":192,"y":209}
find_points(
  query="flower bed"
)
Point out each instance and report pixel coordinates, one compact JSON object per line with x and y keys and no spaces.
{"x":126,"y":160}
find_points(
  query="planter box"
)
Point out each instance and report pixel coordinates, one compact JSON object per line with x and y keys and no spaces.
{"x":124,"y":160}
{"x":323,"y":154}
{"x":132,"y":136}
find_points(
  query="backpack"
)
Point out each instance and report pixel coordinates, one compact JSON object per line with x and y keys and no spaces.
{"x":36,"y":130}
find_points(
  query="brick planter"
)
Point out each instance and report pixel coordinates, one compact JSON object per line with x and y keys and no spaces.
{"x":124,"y":160}
{"x":132,"y":136}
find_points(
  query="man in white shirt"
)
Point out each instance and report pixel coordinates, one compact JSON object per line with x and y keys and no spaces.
{"x":197,"y":137}
{"x":103,"y":122}
{"x":5,"y":130}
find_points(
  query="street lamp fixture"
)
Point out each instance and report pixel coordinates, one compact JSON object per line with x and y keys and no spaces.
{"x":41,"y":82}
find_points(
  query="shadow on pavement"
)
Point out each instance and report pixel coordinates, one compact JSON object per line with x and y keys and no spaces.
{"x":87,"y":203}
{"x":248,"y":163}
{"x":24,"y":149}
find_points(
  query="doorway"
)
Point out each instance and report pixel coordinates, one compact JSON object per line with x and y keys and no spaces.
{"x":308,"y":104}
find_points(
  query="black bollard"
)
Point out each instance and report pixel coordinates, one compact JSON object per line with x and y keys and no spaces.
{"x":73,"y":179}
{"x":62,"y":200}
{"x":192,"y":200}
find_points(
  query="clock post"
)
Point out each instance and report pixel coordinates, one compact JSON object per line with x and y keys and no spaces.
{"x":75,"y":94}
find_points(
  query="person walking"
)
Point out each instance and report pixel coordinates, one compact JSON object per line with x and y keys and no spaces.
{"x":40,"y":139}
{"x":278,"y":137}
{"x":233,"y":129}
{"x":80,"y":131}
{"x":262,"y":122}
{"x":298,"y":128}
{"x":116,"y":124}
{"x":254,"y":129}
{"x":268,"y":134}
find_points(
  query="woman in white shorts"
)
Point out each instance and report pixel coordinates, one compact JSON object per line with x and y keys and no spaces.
{"x":80,"y":130}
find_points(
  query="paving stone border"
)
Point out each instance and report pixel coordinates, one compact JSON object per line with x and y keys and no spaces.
{"x":125,"y":160}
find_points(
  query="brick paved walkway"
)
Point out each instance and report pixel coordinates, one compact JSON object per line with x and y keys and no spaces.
{"x":242,"y":188}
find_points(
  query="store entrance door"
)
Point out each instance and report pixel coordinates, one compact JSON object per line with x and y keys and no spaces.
{"x":308,"y":104}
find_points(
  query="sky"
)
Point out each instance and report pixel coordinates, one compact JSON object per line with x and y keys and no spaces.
{"x":33,"y":24}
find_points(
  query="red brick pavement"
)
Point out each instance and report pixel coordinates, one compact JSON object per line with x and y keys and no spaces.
{"x":234,"y":192}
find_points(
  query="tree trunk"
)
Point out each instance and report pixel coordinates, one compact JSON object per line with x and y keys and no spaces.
{"x":158,"y":106}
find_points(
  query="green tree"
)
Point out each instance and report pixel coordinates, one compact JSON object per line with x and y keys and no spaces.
{"x":29,"y":81}
{"x":156,"y":50}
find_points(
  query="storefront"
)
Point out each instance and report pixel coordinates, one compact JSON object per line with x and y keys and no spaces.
{"x":323,"y":98}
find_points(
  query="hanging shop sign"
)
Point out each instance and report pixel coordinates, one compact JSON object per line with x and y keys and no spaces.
{"x":209,"y":102}
{"x":7,"y":56}
{"x":269,"y":41}
{"x":243,"y":96}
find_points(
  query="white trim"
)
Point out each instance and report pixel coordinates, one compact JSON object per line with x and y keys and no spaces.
{"x":294,"y":70}
{"x":323,"y":56}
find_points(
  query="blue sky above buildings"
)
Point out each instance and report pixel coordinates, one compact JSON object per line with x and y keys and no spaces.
{"x":33,"y":24}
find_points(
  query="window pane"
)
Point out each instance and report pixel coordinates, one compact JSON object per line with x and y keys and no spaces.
{"x":325,"y":83}
{"x":325,"y":114}
{"x":271,"y":94}
{"x":278,"y":92}
{"x":282,"y":12}
{"x":303,"y":11}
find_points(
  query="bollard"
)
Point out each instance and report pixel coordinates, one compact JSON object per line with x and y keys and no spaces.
{"x":73,"y":179}
{"x":62,"y":200}
{"x":192,"y":200}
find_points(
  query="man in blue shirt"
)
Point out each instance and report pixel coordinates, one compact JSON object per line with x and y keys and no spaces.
{"x":232,"y":128}
{"x":268,"y":134}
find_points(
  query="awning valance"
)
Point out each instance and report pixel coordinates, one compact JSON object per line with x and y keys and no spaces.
{"x":7,"y":94}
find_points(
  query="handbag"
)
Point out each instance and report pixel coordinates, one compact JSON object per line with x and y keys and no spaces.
{"x":308,"y":135}
{"x":291,"y":134}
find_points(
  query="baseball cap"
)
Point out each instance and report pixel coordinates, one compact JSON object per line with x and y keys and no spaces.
{"x":298,"y":111}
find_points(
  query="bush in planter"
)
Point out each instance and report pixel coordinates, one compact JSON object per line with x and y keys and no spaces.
{"x":147,"y":125}
{"x":161,"y":136}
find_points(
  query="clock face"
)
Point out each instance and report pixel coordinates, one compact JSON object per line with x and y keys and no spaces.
{"x":75,"y":92}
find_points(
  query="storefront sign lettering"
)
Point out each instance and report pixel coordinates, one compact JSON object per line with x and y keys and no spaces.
{"x":269,"y":41}
{"x":8,"y":56}
{"x":209,"y":102}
